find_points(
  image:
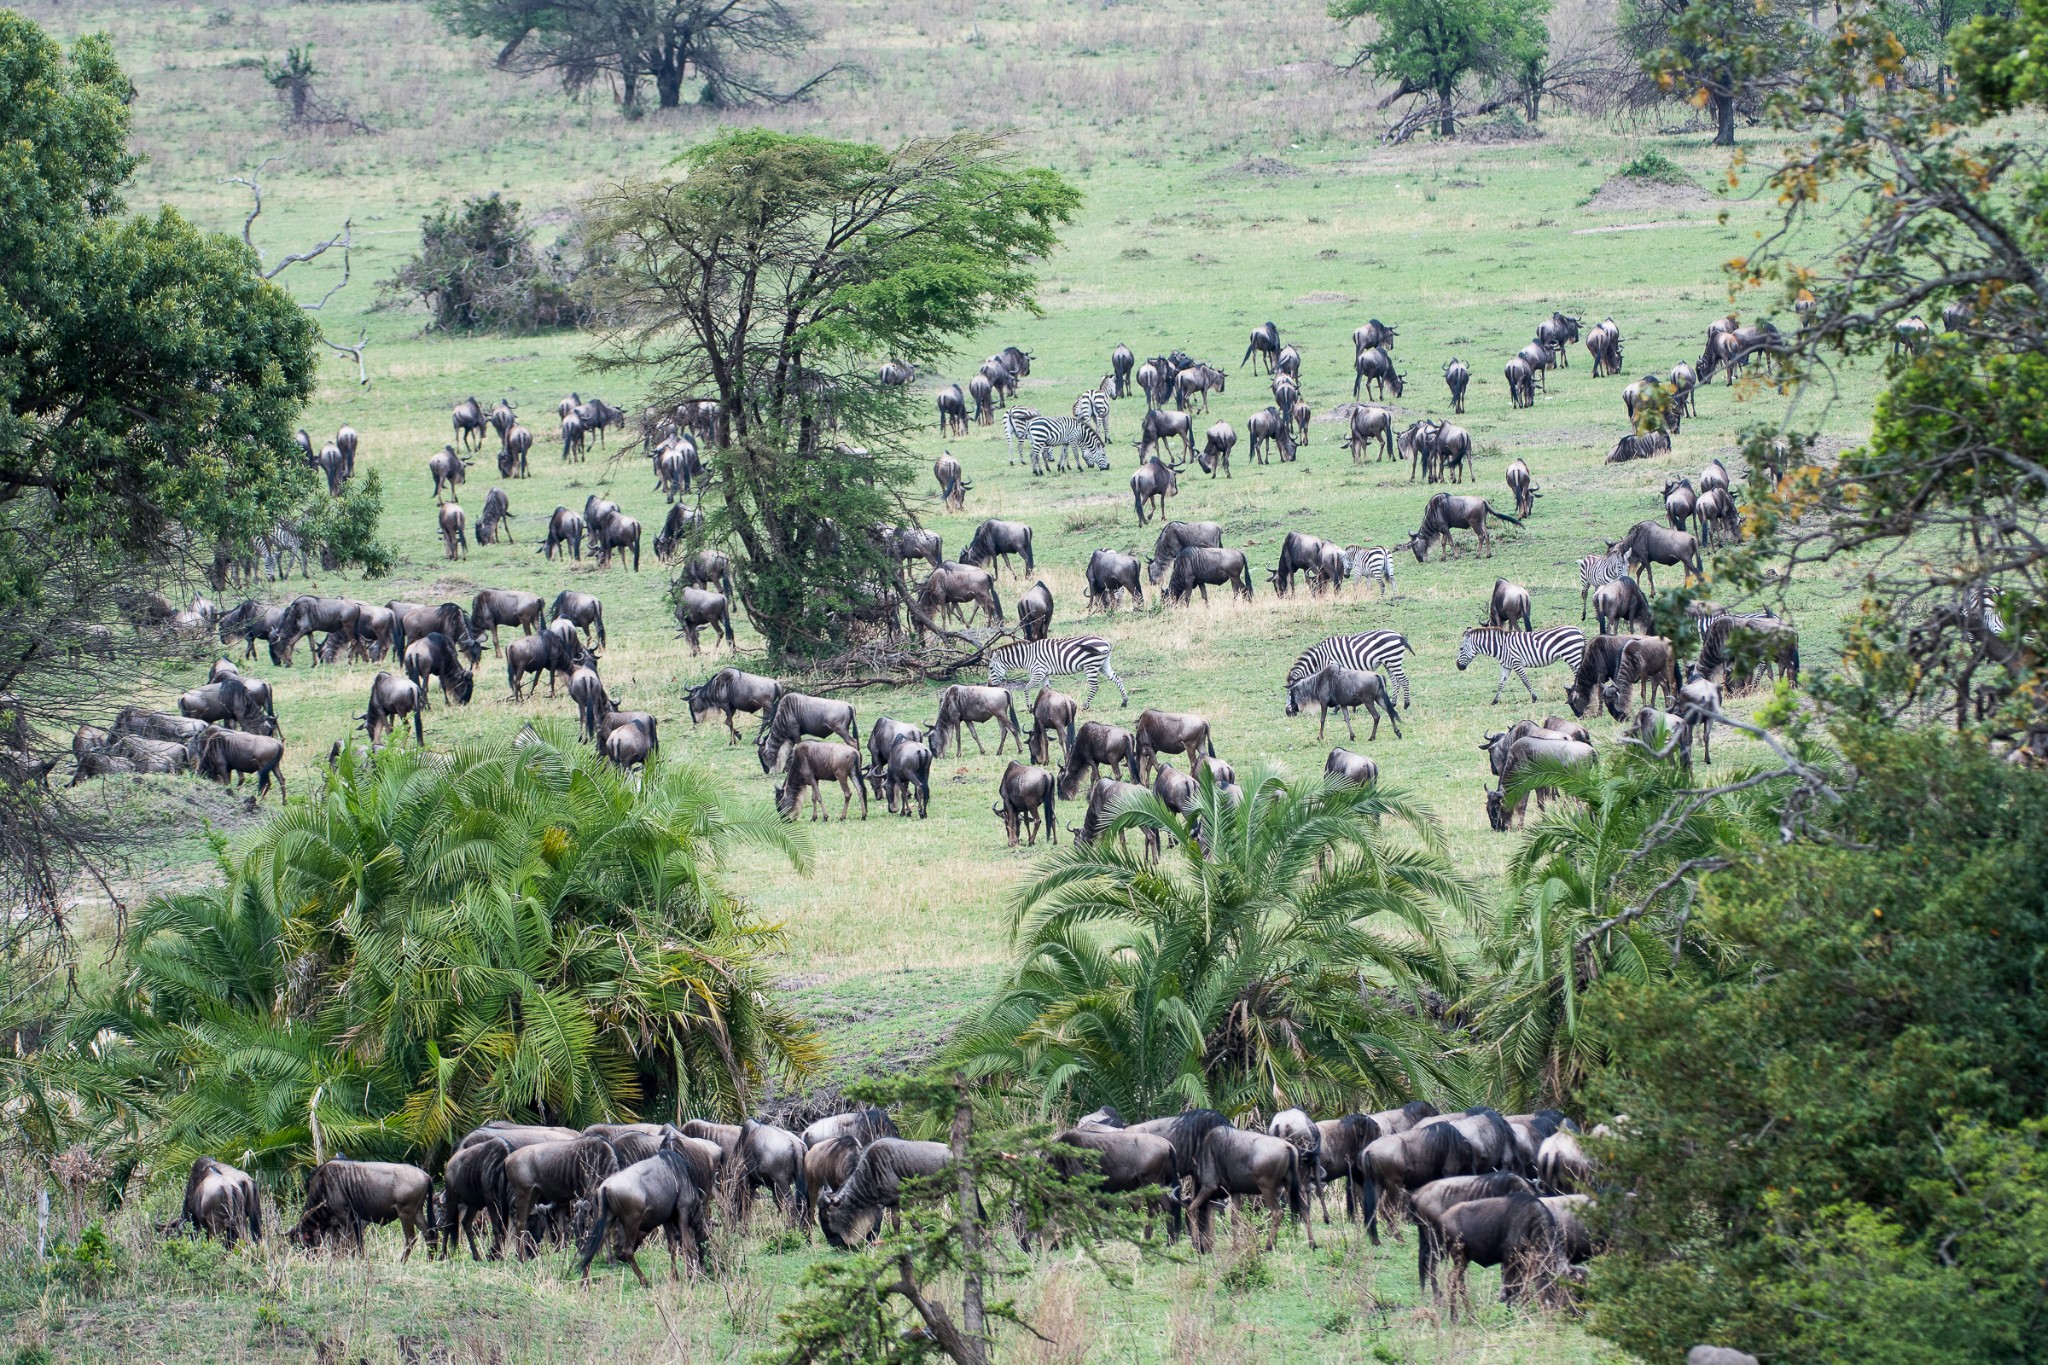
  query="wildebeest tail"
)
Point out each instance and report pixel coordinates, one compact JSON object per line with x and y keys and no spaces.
{"x":1011,"y":699}
{"x":1028,"y":566}
{"x":1297,"y":1194}
{"x":595,"y":1240}
{"x":1502,"y":515}
{"x":1051,"y":827}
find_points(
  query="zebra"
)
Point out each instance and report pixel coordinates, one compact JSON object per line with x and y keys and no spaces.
{"x":1066,"y":433}
{"x":1597,"y":571}
{"x":1043,"y":659}
{"x":1517,"y":650}
{"x":1376,"y":564}
{"x":1092,"y":407}
{"x":1371,"y":651}
{"x":1017,"y":427}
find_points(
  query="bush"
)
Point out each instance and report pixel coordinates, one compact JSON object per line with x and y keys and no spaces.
{"x":345,"y":529}
{"x":478,"y":272}
{"x":1652,"y":165}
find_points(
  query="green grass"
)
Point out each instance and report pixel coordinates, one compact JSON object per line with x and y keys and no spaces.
{"x":1159,"y":118}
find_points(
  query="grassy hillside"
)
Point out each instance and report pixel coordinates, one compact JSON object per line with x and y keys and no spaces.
{"x":1232,"y":176}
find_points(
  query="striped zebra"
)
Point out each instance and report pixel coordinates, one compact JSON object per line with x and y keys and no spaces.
{"x":1519,"y":650}
{"x":1092,"y":407}
{"x":1376,"y":564}
{"x":1017,"y":427}
{"x":1039,"y":660}
{"x":1597,"y":571}
{"x":1371,"y":651}
{"x":1067,"y":433}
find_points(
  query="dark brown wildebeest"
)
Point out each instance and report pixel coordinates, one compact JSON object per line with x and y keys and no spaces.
{"x":448,"y":469}
{"x":344,"y":1195}
{"x":965,"y":704}
{"x":1404,"y":1160}
{"x":952,"y":483}
{"x":1517,"y":1233}
{"x":982,"y":392}
{"x":222,"y":1202}
{"x":468,"y":423}
{"x":1299,"y":553}
{"x":905,"y":544}
{"x":1176,"y":789}
{"x":512,"y":458}
{"x":952,"y":406}
{"x":565,"y":533}
{"x":994,"y":542}
{"x":1034,"y":609}
{"x":407,"y":622}
{"x":1679,"y":502}
{"x":244,"y":703}
{"x":1239,"y":1164}
{"x":503,"y":418}
{"x":573,"y":432}
{"x":554,"y":1173}
{"x":1645,"y":659}
{"x":1372,"y":333}
{"x":1596,"y":666}
{"x":593,"y":702}
{"x":517,"y":1135}
{"x":792,"y":716}
{"x":904,"y":774}
{"x":1522,"y":487}
{"x":1268,"y":427}
{"x":1217,"y":444}
{"x":1093,"y":745}
{"x":616,"y":532}
{"x":1343,"y":690}
{"x":1501,"y":811}
{"x":454,"y":524}
{"x":1719,"y":520}
{"x":729,"y":690}
{"x":761,"y":1156}
{"x":1509,"y":604}
{"x":1521,"y":377}
{"x":496,"y":607}
{"x":677,"y":466}
{"x":1341,"y":1156}
{"x":1603,"y":344}
{"x":615,"y":721}
{"x":1002,"y":379}
{"x":1176,"y":536}
{"x":1562,"y":1166}
{"x":1110,"y":574}
{"x":1127,"y":1163}
{"x":473,"y":1182}
{"x":659,"y":1192}
{"x":581,"y":610}
{"x":1105,"y":799}
{"x":1622,"y":605}
{"x":392,"y":699}
{"x":1299,"y":414}
{"x":491,"y":527}
{"x":951,"y":585}
{"x":335,"y":616}
{"x":1370,"y":423}
{"x":537,"y":654}
{"x":249,"y":622}
{"x":1169,"y":732}
{"x":828,"y":1164}
{"x":1198,"y":568}
{"x":435,"y":656}
{"x":1647,"y":545}
{"x":1540,"y":359}
{"x":696,"y":608}
{"x":852,"y":1213}
{"x":1375,"y":367}
{"x":1457,"y":375}
{"x":1121,"y":362}
{"x":681,"y":520}
{"x":225,"y":755}
{"x":1154,"y":482}
{"x":1285,"y":392}
{"x":627,"y":746}
{"x":1022,"y":793}
{"x":1288,"y":362}
{"x":1160,"y":426}
{"x":1196,"y":381}
{"x":1265,"y":344}
{"x":1448,"y":512}
{"x":860,"y":1126}
{"x":1355,"y":769}
{"x":1430,"y":1203}
{"x":1052,"y":713}
{"x":812,"y":763}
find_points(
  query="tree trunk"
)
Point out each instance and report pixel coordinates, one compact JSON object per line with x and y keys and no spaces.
{"x":1724,"y":119}
{"x":668,"y":80}
{"x":973,"y":1318}
{"x":1446,"y":111}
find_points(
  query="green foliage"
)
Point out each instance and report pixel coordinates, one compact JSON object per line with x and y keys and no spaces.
{"x":771,"y":273}
{"x":1273,"y":960}
{"x":1719,"y":54}
{"x":478,"y":272}
{"x":1999,"y":58}
{"x":1652,"y":165}
{"x":91,"y":1262}
{"x":435,"y":941}
{"x":345,"y":528}
{"x":1834,"y":1153}
{"x":1431,"y":46}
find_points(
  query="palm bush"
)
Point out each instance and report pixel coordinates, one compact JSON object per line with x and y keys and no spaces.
{"x":439,"y":940}
{"x":1284,"y":949}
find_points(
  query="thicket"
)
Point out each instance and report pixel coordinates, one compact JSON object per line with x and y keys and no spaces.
{"x":478,"y":271}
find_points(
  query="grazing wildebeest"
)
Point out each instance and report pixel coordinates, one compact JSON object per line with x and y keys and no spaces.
{"x":546,"y":653}
{"x":1034,"y":609}
{"x":1332,"y":565}
{"x":1341,"y":1156}
{"x":952,"y":406}
{"x":1510,"y":603}
{"x":225,"y":755}
{"x":729,"y":690}
{"x":794,"y":715}
{"x":627,"y":746}
{"x":1285,"y":392}
{"x":1178,"y":790}
{"x":949,"y":586}
{"x":681,"y":520}
{"x":1540,"y":359}
{"x":904,"y":774}
{"x":1646,"y":659}
{"x":343,"y":1195}
{"x":616,"y":531}
{"x":565,"y":533}
{"x":1356,"y":769}
{"x":696,"y":608}
{"x":1105,"y":799}
{"x":994,"y":542}
{"x":1196,"y":381}
{"x":1448,"y":512}
{"x":1522,"y":486}
{"x":469,"y":423}
{"x":1299,"y":553}
{"x":1127,"y":1162}
{"x":394,"y":698}
{"x":1154,"y":482}
{"x":1371,"y":423}
{"x":1596,"y":666}
{"x":491,"y":527}
{"x":1502,"y":813}
{"x":1238,"y":1164}
{"x":581,"y":610}
{"x":659,"y":1192}
{"x":1093,"y":745}
{"x":573,"y":432}
{"x":763,"y":1156}
{"x":249,"y":622}
{"x":905,"y":544}
{"x":895,"y":373}
{"x":1160,"y":426}
{"x":1719,"y":519}
{"x":1647,"y":545}
{"x":222,"y":1202}
{"x":1562,"y":1166}
{"x":434,"y":655}
{"x":1603,"y":344}
{"x":1456,"y":377}
{"x":1199,"y":567}
{"x":407,"y":622}
{"x":593,"y":703}
{"x":554,"y":1173}
{"x":1176,"y":536}
{"x":1023,"y":793}
{"x":496,"y":607}
{"x":1217,"y":443}
{"x":1051,"y":713}
{"x":860,"y":1126}
{"x":1375,"y":367}
{"x":1122,"y":360}
{"x":1343,"y":689}
{"x":1516,"y":1233}
{"x":1169,"y":732}
{"x":454,"y":524}
{"x":473,"y":1182}
{"x":243,"y":703}
{"x":1268,"y":427}
{"x":1430,"y":1203}
{"x":965,"y":704}
{"x":512,"y":457}
{"x":335,"y":616}
{"x":852,"y":1213}
{"x":448,"y":469}
{"x":1621,"y":604}
{"x":952,"y":483}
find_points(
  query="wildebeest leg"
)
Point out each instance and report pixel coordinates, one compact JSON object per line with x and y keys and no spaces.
{"x":411,"y":1231}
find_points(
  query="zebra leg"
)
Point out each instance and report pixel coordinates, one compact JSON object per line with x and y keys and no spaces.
{"x":1110,"y":673}
{"x":1523,"y":679}
{"x":1501,"y":684}
{"x":1094,"y":683}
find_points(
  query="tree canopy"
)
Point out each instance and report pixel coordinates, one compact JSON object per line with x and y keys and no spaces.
{"x":1722,"y":54}
{"x":1432,"y":46}
{"x":477,"y":270}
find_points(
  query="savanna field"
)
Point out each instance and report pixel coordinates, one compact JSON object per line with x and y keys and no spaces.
{"x":1232,"y":175}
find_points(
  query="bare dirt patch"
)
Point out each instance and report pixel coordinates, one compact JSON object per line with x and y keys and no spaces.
{"x":1263,"y":167}
{"x":1325,"y":296}
{"x":1631,"y":194}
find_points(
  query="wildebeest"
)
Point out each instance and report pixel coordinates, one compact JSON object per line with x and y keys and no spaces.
{"x":473,"y":1182}
{"x":1596,"y":666}
{"x":244,"y":703}
{"x":614,"y":533}
{"x":1647,"y":545}
{"x":1540,"y":359}
{"x":1356,"y":769}
{"x":1562,"y":1166}
{"x":1269,"y":427}
{"x":225,"y":755}
{"x":565,"y":532}
{"x":1448,"y":512}
{"x":394,"y":698}
{"x":1404,"y":1160}
{"x":454,"y":525}
{"x":1509,"y":604}
{"x":1265,"y":344}
{"x":1196,"y":381}
{"x":681,"y":521}
{"x":1557,"y":333}
{"x":554,"y":1173}
{"x":222,"y":1202}
{"x":964,"y":704}
{"x":1719,"y":520}
{"x":729,"y":690}
{"x":1456,"y":376}
{"x":1023,"y":794}
{"x":1127,"y":1163}
{"x":434,"y":655}
{"x":1160,"y":426}
{"x":343,"y":1195}
{"x":952,"y":406}
{"x":1516,"y":1233}
{"x":763,"y":1156}
{"x":448,"y":469}
{"x":335,"y":616}
{"x":581,"y":610}
{"x":1430,"y":1203}
{"x":659,"y":1192}
{"x":1367,"y":424}
{"x":496,"y":607}
{"x":1299,"y":553}
{"x":593,"y":702}
{"x":1105,"y":798}
{"x":1343,"y":689}
{"x":1154,"y":482}
{"x":512,"y":457}
{"x":1198,"y":568}
{"x":1176,"y":536}
{"x":852,"y":1213}
{"x":905,"y":544}
{"x":1239,"y":1164}
{"x":1034,"y":609}
{"x":627,"y":745}
{"x":1052,"y":713}
{"x":794,"y":715}
{"x":1375,"y":367}
{"x":1217,"y":443}
{"x":1522,"y":487}
{"x":490,"y":527}
{"x":1092,"y":745}
{"x":1679,"y":502}
{"x":905,"y":774}
{"x":1168,"y":732}
{"x":952,"y":483}
{"x":1521,"y":377}
{"x":1603,"y":344}
{"x":468,"y":423}
{"x":994,"y":542}
{"x":1648,"y":660}
{"x":951,"y":585}
{"x":1501,"y":812}
{"x":1621,"y":604}
{"x":249,"y":622}
{"x":1340,"y":1155}
{"x":696,"y":608}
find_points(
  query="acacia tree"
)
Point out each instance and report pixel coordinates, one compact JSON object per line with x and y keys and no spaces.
{"x":1720,"y":53}
{"x":665,"y":41}
{"x":768,"y":276}
{"x":1432,"y":46}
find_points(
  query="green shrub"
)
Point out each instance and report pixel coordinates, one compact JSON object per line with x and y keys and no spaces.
{"x":1653,"y":166}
